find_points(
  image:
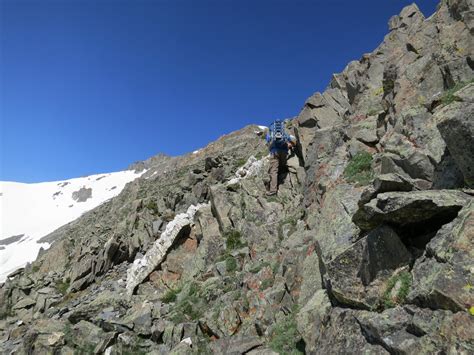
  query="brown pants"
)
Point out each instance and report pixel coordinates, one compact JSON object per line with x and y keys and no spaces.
{"x":277,"y":166}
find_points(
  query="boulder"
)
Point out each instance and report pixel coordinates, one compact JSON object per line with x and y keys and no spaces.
{"x":357,"y":276}
{"x":411,"y":330}
{"x":312,"y":318}
{"x":456,"y":125}
{"x":236,"y":345}
{"x":334,"y":229}
{"x":341,"y":334}
{"x":408,"y":208}
{"x":442,"y":277}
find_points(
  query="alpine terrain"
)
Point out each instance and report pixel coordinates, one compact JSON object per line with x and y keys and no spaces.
{"x":31,"y":211}
{"x":367,"y":248}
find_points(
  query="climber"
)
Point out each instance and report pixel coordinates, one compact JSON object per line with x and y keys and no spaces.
{"x":279,"y":143}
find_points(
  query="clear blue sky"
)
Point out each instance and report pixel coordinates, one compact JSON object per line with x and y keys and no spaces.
{"x":90,"y":86}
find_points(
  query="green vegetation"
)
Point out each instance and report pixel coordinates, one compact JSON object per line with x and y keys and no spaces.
{"x":449,"y":97}
{"x":152,"y":206}
{"x":285,"y":337}
{"x":359,"y":170}
{"x":35,"y":268}
{"x":230,"y":264}
{"x":189,"y":304}
{"x":403,"y":282}
{"x":259,"y":266}
{"x":266,"y":284}
{"x":291,"y":221}
{"x":240,"y":162}
{"x":262,"y":153}
{"x":170,"y":295}
{"x":62,"y":286}
{"x":233,"y":239}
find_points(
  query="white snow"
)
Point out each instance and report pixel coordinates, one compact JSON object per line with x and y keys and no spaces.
{"x":196,"y":151}
{"x":36,"y":210}
{"x":263,"y":127}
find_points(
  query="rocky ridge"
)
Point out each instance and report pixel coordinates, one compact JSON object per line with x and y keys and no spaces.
{"x":368,"y":247}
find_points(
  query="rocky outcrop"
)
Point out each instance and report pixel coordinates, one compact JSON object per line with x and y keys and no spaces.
{"x":456,"y":126}
{"x":367,"y":248}
{"x":143,"y":267}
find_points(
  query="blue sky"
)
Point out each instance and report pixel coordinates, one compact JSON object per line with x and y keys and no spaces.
{"x":90,"y":86}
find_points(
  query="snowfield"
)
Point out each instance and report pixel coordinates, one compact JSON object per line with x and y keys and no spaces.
{"x":29,"y":212}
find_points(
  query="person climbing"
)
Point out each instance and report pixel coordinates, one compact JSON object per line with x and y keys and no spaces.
{"x":279,"y":143}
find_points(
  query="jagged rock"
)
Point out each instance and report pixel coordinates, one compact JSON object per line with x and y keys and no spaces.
{"x":357,"y":276}
{"x":406,"y":208}
{"x":24,"y":303}
{"x":413,"y":330}
{"x":312,"y":318}
{"x":143,"y":267}
{"x":311,"y":275}
{"x":91,"y":338}
{"x":456,"y":126}
{"x":442,"y":278}
{"x":341,"y":333}
{"x":236,"y":345}
{"x":140,"y":316}
{"x":334,"y":228}
{"x":403,"y":157}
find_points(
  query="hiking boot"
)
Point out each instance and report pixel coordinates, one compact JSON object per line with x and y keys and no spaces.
{"x":270,"y":193}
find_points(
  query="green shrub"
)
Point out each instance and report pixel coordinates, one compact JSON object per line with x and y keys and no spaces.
{"x":170,"y":295}
{"x":359,"y":170}
{"x":230,"y":264}
{"x":404,"y":278}
{"x":62,"y":286}
{"x":285,"y":336}
{"x":266,"y":284}
{"x":449,"y":97}
{"x":233,"y":239}
{"x":189,"y":305}
{"x":240,"y":162}
{"x":152,"y":206}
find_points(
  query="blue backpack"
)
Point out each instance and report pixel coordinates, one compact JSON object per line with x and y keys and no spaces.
{"x":277,"y":137}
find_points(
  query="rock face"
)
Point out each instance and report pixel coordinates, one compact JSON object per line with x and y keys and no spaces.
{"x":367,"y":248}
{"x":143,"y":267}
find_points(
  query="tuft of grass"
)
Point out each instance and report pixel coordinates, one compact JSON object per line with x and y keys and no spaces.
{"x":170,"y":295}
{"x":266,"y":284}
{"x":359,"y":170}
{"x":285,"y":338}
{"x":152,"y":206}
{"x":233,"y":239}
{"x":62,"y":286}
{"x":35,"y":268}
{"x":230,"y":264}
{"x":404,"y":279}
{"x":449,"y":95}
{"x":256,"y":268}
{"x":240,"y":162}
{"x":190,"y":306}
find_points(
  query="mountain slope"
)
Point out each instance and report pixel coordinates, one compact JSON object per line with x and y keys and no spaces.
{"x":31,"y":211}
{"x":366,"y":249}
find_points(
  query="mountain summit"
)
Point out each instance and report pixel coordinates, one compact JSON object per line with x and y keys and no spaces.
{"x":367,"y":248}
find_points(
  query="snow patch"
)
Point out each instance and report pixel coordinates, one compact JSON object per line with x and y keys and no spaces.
{"x":36,"y":210}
